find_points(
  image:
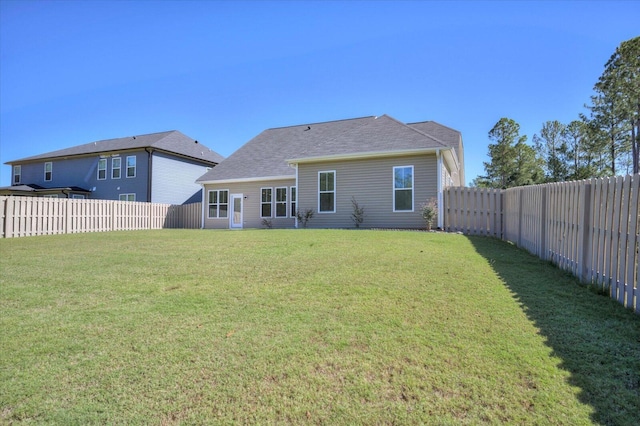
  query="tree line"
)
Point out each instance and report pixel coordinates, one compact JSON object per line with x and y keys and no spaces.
{"x":603,"y":142}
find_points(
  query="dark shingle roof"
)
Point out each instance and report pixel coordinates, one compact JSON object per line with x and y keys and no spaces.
{"x":172,"y":141}
{"x":266,"y":155}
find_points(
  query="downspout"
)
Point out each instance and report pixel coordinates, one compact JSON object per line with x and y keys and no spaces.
{"x":439,"y":185}
{"x":203,"y":201}
{"x":297,"y":198}
{"x":149,"y":172}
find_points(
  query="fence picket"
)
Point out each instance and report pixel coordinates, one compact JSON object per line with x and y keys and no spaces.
{"x":589,"y":228}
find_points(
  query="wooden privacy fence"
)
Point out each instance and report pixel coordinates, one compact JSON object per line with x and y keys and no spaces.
{"x":29,"y":216}
{"x":589,"y":228}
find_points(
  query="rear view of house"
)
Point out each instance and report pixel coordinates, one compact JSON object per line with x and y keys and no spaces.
{"x":387,"y":166}
{"x":158,"y":167}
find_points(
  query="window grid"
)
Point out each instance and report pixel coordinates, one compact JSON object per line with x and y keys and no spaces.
{"x":116,"y":164}
{"x":265,"y":202}
{"x":48,"y":171}
{"x":218,"y":202}
{"x":327,"y":191}
{"x":17,"y":174}
{"x":403,"y":189}
{"x":281,"y":202}
{"x":102,"y":169}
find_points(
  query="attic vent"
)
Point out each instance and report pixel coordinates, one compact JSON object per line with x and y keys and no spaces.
{"x":196,"y":141}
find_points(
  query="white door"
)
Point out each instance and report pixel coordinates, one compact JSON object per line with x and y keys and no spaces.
{"x":236,"y":211}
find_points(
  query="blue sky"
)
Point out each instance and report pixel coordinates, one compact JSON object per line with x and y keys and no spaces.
{"x":221,"y":72}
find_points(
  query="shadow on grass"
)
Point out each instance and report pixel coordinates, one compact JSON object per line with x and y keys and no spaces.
{"x":597,"y":339}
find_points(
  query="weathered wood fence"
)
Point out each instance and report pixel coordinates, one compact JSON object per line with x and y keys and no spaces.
{"x":589,"y":228}
{"x":29,"y":216}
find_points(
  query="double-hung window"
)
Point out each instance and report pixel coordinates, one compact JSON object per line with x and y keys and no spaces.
{"x":116,"y":165}
{"x":281,"y":202}
{"x":265,"y":202}
{"x":327,"y":192}
{"x":293,"y":201}
{"x":17,"y":174}
{"x":218,"y":203}
{"x":131,"y":166}
{"x":48,"y":171}
{"x":403,"y":189}
{"x":102,"y":169}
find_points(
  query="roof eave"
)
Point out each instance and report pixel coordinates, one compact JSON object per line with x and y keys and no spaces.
{"x":367,"y":155}
{"x":242,"y":180}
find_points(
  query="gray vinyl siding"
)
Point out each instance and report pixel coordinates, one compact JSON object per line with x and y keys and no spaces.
{"x":173,"y":180}
{"x":371,"y":183}
{"x":251,"y":204}
{"x":83,"y":172}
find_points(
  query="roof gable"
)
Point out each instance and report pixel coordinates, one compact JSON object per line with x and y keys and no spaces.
{"x":171,"y":141}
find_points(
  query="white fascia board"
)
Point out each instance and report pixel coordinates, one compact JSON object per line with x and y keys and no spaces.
{"x":252,"y":179}
{"x":366,"y":155}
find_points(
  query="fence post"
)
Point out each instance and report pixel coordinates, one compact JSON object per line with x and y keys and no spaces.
{"x":8,"y":217}
{"x":587,"y":235}
{"x":543,"y":224}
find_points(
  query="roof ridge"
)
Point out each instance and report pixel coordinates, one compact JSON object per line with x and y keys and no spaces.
{"x":439,"y":124}
{"x":417,"y":131}
{"x":321,"y":122}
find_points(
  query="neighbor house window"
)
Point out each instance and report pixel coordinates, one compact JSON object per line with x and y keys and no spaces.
{"x":218,"y":203}
{"x":265,"y":202}
{"x":50,"y":196}
{"x":131,"y":166}
{"x":293,"y":201}
{"x":17,"y":174}
{"x":327,"y":192}
{"x":48,"y":171}
{"x":403,"y":189}
{"x":281,"y":202}
{"x":116,"y":164}
{"x":102,"y":169}
{"x":127,"y":197}
{"x":77,"y":196}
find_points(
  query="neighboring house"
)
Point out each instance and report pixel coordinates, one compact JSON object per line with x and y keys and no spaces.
{"x":390,"y":168}
{"x":158,"y":167}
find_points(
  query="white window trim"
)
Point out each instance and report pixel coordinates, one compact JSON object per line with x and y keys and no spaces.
{"x":135,"y":167}
{"x":119,"y":168}
{"x":50,"y":171}
{"x":286,"y":202}
{"x":217,"y":204}
{"x":105,"y":169}
{"x":17,"y":171}
{"x":293,"y":200}
{"x":126,"y":195}
{"x":335,"y":186}
{"x":263,"y":203}
{"x":393,"y":185}
{"x":78,"y":196}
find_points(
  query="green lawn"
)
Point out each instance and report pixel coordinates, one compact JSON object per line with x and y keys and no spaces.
{"x":305,"y":326}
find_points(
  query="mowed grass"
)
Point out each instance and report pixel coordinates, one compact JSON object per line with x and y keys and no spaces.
{"x":305,"y":327}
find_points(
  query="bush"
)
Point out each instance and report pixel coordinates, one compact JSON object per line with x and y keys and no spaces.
{"x":358,"y":213}
{"x":429,"y":211}
{"x":305,"y":217}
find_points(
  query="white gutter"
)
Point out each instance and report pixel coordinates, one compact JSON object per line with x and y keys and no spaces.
{"x":364,"y":155}
{"x":241,"y":180}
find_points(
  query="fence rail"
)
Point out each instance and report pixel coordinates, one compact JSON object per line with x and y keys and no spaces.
{"x":589,"y":228}
{"x":30,"y":216}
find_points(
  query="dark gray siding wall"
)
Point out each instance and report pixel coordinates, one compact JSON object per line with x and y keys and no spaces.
{"x":251,"y":204}
{"x":83,"y":172}
{"x":371,"y":183}
{"x":173,"y":179}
